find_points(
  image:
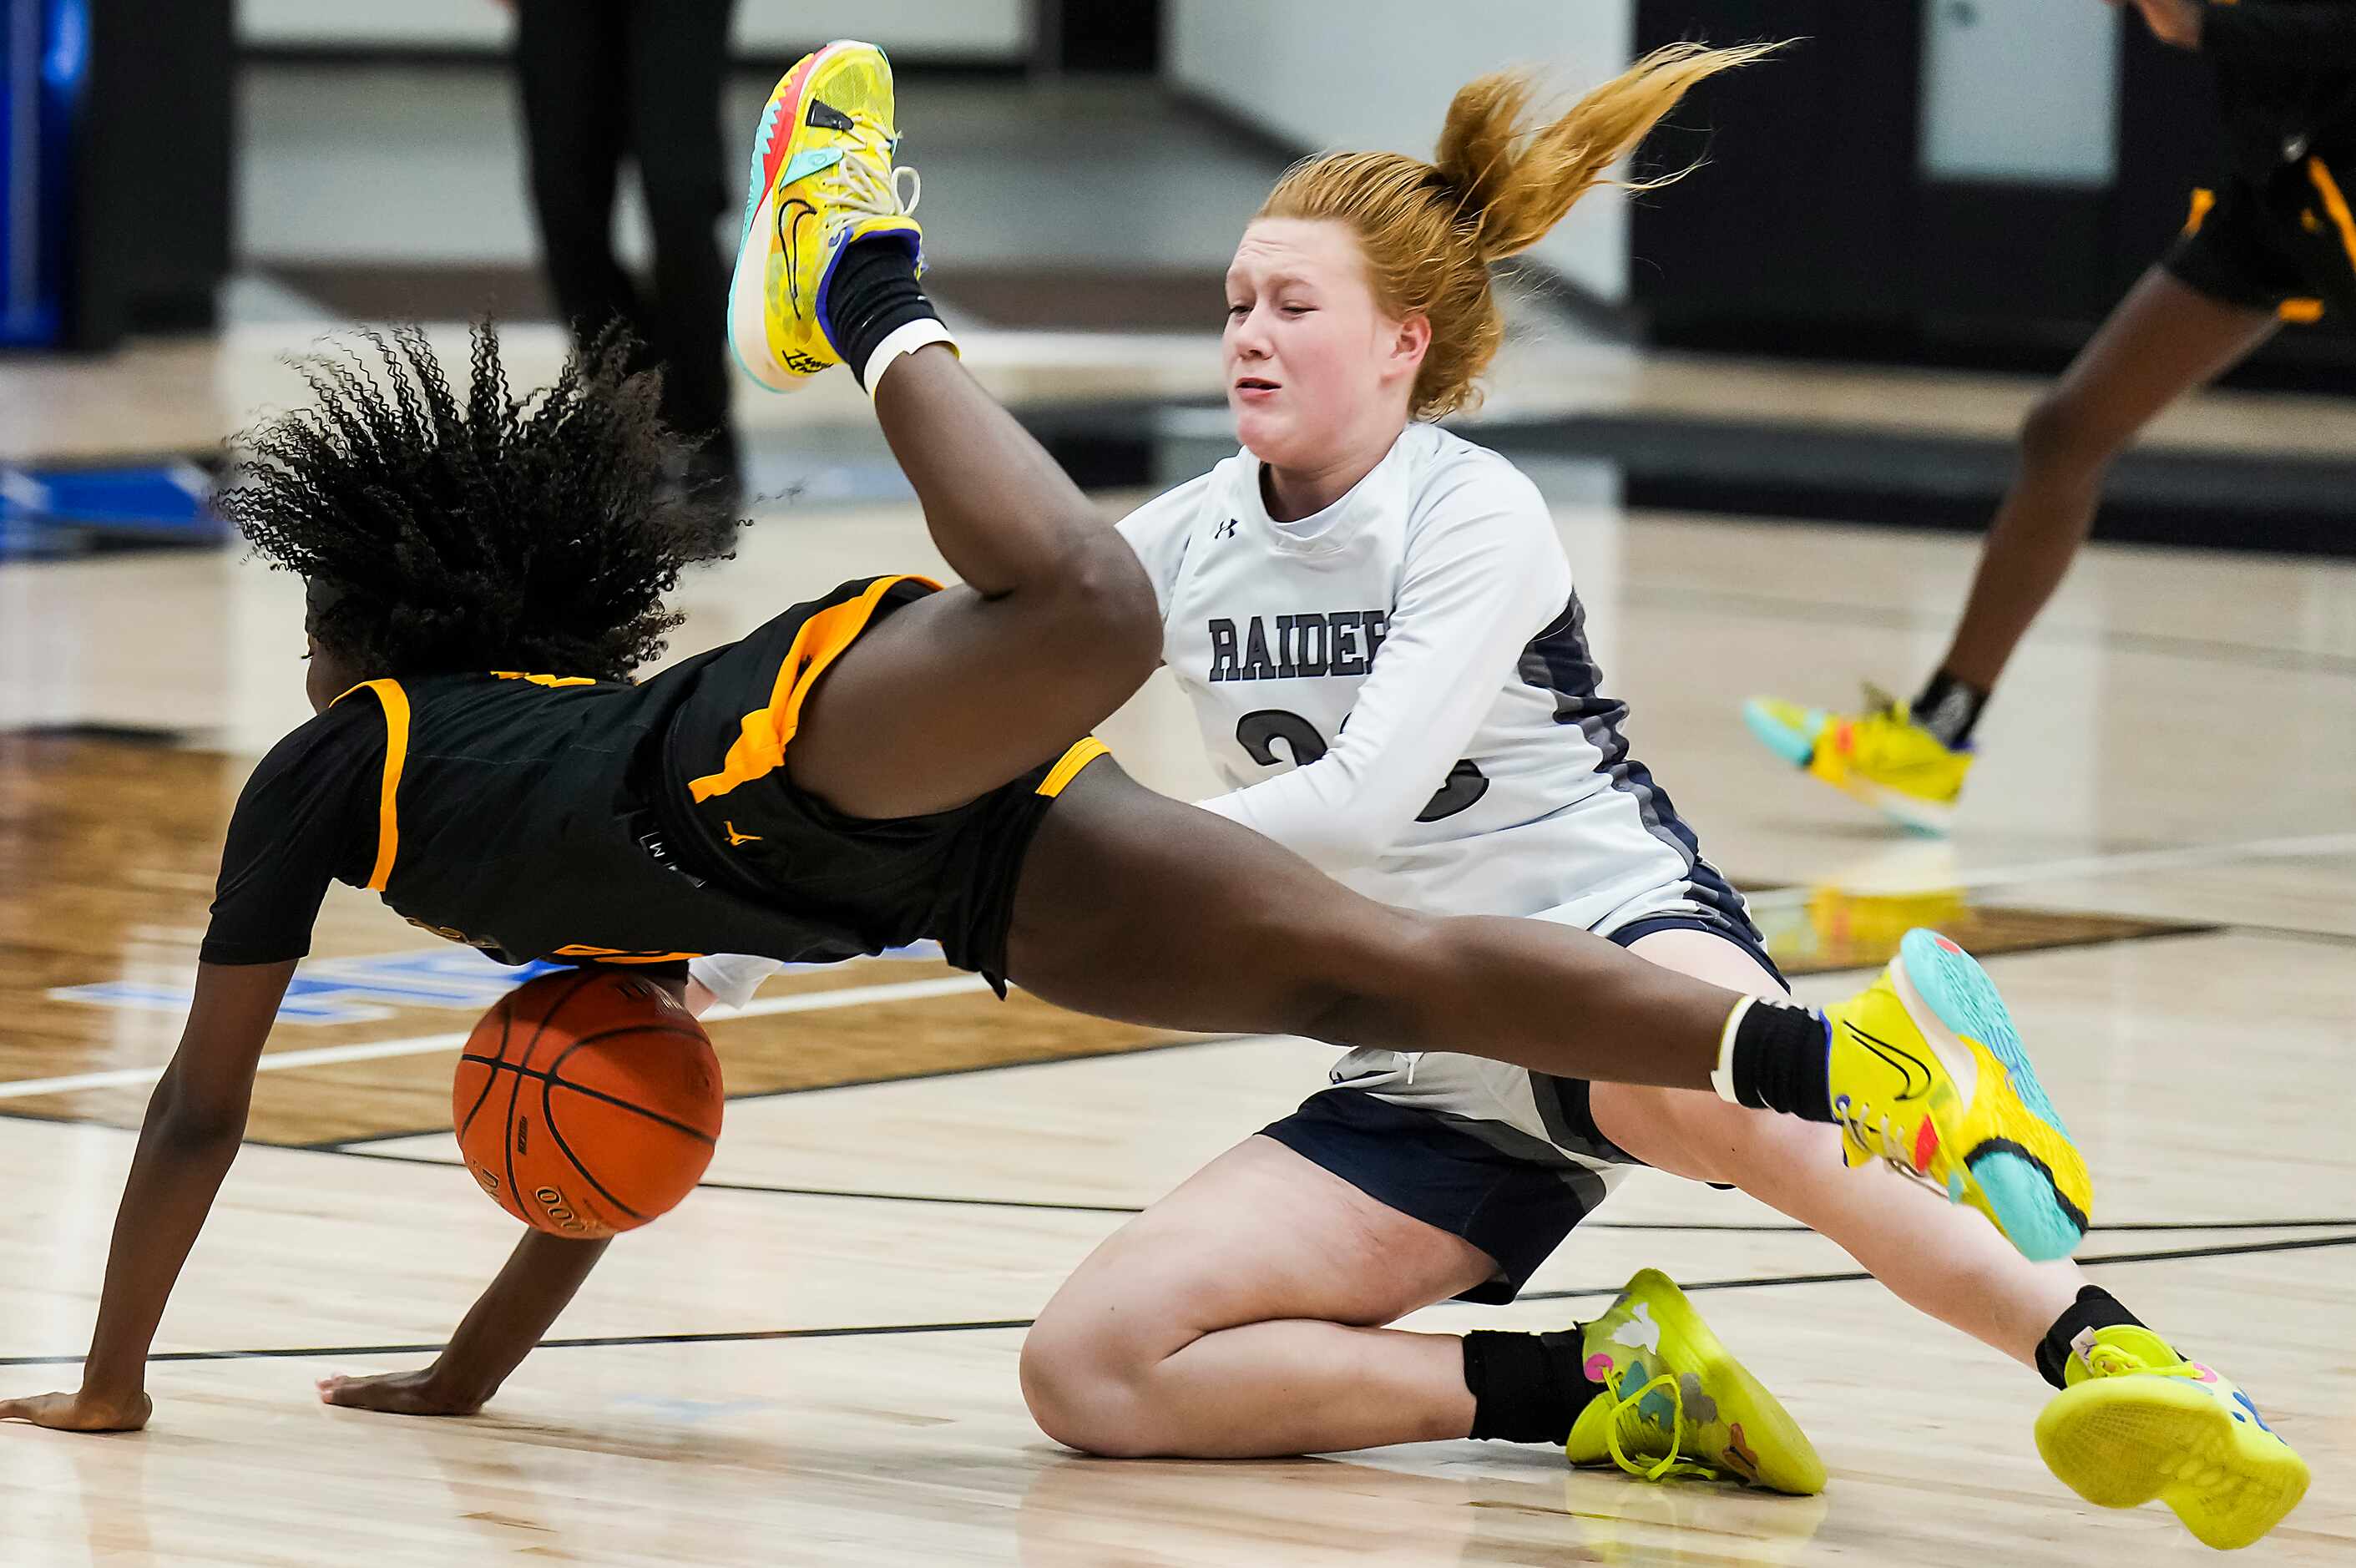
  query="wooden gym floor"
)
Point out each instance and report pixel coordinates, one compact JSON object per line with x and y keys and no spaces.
{"x":813,"y":1360}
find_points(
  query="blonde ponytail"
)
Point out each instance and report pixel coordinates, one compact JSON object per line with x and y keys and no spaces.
{"x":1496,"y":187}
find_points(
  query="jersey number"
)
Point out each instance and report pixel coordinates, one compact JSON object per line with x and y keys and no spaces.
{"x":1257,"y":734}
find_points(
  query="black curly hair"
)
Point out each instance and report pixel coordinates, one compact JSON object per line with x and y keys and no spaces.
{"x":436,"y":535}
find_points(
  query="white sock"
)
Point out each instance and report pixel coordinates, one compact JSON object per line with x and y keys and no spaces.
{"x":1721,"y":1076}
{"x":905,"y":338}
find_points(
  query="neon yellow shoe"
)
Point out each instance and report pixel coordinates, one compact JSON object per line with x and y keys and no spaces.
{"x":1928,"y":1074}
{"x":1675,"y":1398}
{"x":1881,"y":757}
{"x":2137,"y":1421}
{"x":822,"y":177}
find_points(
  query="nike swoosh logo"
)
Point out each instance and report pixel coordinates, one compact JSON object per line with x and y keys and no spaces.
{"x":790,"y":217}
{"x":1911,"y":1072}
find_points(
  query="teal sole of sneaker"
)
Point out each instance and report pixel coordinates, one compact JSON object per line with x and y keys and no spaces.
{"x":2029,"y":1206}
{"x":1777,"y":737}
{"x":2019,"y":1189}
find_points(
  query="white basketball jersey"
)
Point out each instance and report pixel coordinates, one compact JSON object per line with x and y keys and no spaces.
{"x":1327,"y":659}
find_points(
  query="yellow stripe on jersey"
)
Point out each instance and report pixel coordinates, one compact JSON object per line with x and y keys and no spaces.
{"x":2203,"y":198}
{"x":395,"y":703}
{"x":619,"y":955}
{"x":544,"y":679}
{"x":760,"y":749}
{"x":2335,"y":204}
{"x":1069,"y":767}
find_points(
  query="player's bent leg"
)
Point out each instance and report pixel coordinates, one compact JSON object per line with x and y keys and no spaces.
{"x":1193,"y":1333}
{"x":1055,"y":624}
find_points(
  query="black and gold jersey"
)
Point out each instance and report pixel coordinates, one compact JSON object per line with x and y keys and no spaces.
{"x":2286,"y":73}
{"x":518,"y":812}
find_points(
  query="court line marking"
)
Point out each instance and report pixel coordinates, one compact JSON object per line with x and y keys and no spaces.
{"x":2168,"y":1254}
{"x":356,"y":1146}
{"x":1057,"y":1206}
{"x":578,"y":1342}
{"x":2116,"y":1227}
{"x":2128,"y":862}
{"x":2295,"y":934}
{"x":755,"y":1336}
{"x":1781,"y":608}
{"x":422,"y":1044}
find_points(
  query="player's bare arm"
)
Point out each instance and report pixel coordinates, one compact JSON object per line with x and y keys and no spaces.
{"x":194,"y":1124}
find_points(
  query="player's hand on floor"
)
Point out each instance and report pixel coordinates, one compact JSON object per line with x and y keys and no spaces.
{"x":80,"y":1412}
{"x":420,"y":1392}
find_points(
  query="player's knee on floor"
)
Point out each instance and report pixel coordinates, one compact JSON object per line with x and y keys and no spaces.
{"x":1076,"y":1384}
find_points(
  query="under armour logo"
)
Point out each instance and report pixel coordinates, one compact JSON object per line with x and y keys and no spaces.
{"x":1224,"y":531}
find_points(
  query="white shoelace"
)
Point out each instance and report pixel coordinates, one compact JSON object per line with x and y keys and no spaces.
{"x":1879,"y":1139}
{"x":865,"y":185}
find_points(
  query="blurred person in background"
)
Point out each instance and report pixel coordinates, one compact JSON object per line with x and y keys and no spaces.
{"x":605,"y":79}
{"x":2275,"y":241}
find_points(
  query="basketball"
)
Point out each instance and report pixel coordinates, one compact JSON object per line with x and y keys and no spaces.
{"x":587,"y":1103}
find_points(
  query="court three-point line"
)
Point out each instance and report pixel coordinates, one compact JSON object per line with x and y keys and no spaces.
{"x":2187,"y":857}
{"x":425,"y":1044}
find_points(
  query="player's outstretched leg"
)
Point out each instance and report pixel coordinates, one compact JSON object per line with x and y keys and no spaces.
{"x":1135,"y":907}
{"x":1053,"y":625}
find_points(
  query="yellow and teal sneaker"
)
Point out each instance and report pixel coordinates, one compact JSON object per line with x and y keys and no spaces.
{"x":1881,"y":757}
{"x":2136,"y":1421}
{"x":822,"y":177}
{"x":1676,"y":1403}
{"x":1928,"y":1074}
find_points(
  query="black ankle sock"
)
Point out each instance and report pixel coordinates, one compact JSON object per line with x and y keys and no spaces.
{"x":1526,"y":1388}
{"x":1948,"y":708}
{"x":873,"y":294}
{"x":1783,"y":1061}
{"x":2094,"y":1308}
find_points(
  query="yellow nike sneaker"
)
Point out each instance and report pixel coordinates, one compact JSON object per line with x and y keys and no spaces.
{"x":822,"y":177}
{"x":2136,"y":1421}
{"x":1928,"y":1074}
{"x":1676,"y":1403}
{"x":1881,"y":757}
